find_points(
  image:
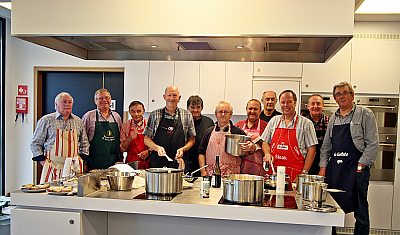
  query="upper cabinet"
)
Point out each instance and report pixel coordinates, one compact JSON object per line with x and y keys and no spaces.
{"x":272,"y":69}
{"x":161,"y":75}
{"x":187,"y":79}
{"x":238,"y":87}
{"x":136,"y":83}
{"x":321,"y":77}
{"x":375,"y":66}
{"x":212,"y":84}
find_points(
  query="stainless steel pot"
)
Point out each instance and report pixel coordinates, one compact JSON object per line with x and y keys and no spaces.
{"x":242,"y":188}
{"x":232,"y":144}
{"x":164,"y":181}
{"x":121,"y":180}
{"x":315,"y":192}
{"x":307,"y":178}
{"x":270,"y":181}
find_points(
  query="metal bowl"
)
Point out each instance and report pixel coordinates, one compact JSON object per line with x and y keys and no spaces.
{"x":121,"y":180}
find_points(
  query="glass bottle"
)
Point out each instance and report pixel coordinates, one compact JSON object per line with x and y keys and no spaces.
{"x":216,"y":175}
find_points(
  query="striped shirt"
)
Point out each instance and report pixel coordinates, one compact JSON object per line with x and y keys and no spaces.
{"x":155,"y":118}
{"x":305,"y":131}
{"x":45,"y":133}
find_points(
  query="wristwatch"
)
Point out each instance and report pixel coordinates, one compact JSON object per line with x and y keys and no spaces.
{"x":359,"y":168}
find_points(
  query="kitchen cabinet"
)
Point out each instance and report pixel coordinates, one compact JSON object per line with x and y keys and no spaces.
{"x":187,"y":79}
{"x":73,"y":222}
{"x":238,"y":86}
{"x":277,"y":69}
{"x":136,"y":83}
{"x":161,"y":75}
{"x":321,"y":77}
{"x":212,"y":84}
{"x":375,"y":66}
{"x":380,"y":196}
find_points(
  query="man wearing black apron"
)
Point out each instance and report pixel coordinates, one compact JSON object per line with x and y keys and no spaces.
{"x":320,"y":121}
{"x":349,"y":149}
{"x":169,"y":132}
{"x":102,"y":126}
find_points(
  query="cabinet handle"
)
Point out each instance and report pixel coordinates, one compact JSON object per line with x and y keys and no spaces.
{"x":306,"y":85}
{"x":354,"y":86}
{"x":153,"y":101}
{"x":71,"y":221}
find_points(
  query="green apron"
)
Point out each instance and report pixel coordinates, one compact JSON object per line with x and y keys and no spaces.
{"x":104,"y":147}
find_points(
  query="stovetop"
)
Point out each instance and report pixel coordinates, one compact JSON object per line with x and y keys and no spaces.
{"x":157,"y":197}
{"x":270,"y":200}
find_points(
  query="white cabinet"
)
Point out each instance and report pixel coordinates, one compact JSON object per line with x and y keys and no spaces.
{"x":277,"y":69}
{"x":46,"y":221}
{"x":375,"y":66}
{"x":187,"y":79}
{"x":238,"y":86}
{"x":136,"y":83}
{"x":321,"y":77}
{"x":161,"y":75}
{"x":212,"y":84}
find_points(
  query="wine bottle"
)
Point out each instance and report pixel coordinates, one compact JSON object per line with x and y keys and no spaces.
{"x":216,"y":175}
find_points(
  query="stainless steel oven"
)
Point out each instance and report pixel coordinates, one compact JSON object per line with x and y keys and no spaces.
{"x":385,"y":111}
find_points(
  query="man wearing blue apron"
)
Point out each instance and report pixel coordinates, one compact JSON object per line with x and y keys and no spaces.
{"x":169,"y":132}
{"x":349,"y":149}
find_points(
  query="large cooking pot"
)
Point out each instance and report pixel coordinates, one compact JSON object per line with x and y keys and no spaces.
{"x":243,"y":188}
{"x":307,"y":178}
{"x":315,"y":192}
{"x":233,"y":142}
{"x":164,"y":180}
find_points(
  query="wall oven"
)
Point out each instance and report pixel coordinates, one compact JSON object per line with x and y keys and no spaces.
{"x":386,"y":114}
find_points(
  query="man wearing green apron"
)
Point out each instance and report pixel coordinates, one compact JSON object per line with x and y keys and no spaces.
{"x":170,"y":131}
{"x":102,"y":127}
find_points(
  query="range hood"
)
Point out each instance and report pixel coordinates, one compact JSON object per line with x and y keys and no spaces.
{"x":191,"y":30}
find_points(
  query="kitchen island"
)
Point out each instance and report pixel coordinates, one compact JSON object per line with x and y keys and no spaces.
{"x":116,"y":212}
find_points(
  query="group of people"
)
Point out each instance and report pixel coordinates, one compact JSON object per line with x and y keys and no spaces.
{"x":342,"y":147}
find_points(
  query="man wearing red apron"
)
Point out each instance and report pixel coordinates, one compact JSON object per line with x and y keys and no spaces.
{"x":58,"y":141}
{"x":290,"y":139}
{"x":132,"y":138}
{"x":253,"y":126}
{"x":213,"y":143}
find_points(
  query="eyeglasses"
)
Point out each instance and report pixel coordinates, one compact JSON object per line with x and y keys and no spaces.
{"x":339,"y":94}
{"x":224,"y":112}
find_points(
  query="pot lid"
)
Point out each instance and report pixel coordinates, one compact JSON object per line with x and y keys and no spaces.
{"x":164,"y":170}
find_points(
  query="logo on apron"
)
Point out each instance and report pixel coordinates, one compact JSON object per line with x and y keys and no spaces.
{"x":282,"y":146}
{"x":281,"y":157}
{"x":108,"y":136}
{"x":341,"y":154}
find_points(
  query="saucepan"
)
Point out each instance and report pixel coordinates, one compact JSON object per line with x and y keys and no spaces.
{"x":307,"y":178}
{"x":233,"y":143}
{"x":243,"y":188}
{"x":315,"y":192}
{"x":164,"y":181}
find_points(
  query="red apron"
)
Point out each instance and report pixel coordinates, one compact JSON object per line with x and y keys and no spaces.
{"x":137,"y":146}
{"x":253,"y":164}
{"x":286,"y":151}
{"x":229,"y":164}
{"x":63,"y":159}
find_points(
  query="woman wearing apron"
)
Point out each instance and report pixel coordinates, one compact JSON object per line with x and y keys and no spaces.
{"x":132,"y":138}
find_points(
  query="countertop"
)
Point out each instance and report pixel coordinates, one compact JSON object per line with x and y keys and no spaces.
{"x":187,"y":204}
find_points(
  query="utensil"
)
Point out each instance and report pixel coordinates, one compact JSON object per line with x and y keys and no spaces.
{"x":164,"y":181}
{"x":243,"y":188}
{"x":233,"y":142}
{"x":168,"y":158}
{"x":121,"y":180}
{"x":333,"y":190}
{"x":191,"y":174}
{"x":273,"y":169}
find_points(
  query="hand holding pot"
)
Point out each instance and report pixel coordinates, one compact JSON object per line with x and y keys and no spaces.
{"x":248,"y":146}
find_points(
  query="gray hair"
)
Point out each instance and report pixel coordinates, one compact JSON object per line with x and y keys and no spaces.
{"x":343,"y":84}
{"x":101,"y":90}
{"x":222,"y":102}
{"x":266,"y":92}
{"x":61,"y":95}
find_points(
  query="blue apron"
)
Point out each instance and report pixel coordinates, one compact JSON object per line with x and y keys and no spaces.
{"x":342,"y":167}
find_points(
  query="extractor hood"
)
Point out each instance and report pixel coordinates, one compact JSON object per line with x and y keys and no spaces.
{"x":225,"y":30}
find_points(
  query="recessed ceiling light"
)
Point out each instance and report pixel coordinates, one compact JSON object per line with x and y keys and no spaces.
{"x":379,"y":7}
{"x":153,"y":46}
{"x":239,"y":47}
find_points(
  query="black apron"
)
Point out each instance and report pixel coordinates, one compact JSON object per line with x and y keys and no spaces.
{"x":314,"y":169}
{"x":171,"y":137}
{"x":104,"y":147}
{"x":341,"y":171}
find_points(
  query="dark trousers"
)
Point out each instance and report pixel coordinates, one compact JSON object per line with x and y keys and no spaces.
{"x":361,"y":213}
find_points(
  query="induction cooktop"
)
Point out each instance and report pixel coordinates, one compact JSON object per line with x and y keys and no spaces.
{"x":157,"y":197}
{"x":270,"y":200}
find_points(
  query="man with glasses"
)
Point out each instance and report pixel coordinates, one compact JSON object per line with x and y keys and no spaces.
{"x":201,"y":124}
{"x":102,"y":127}
{"x":213,"y":143}
{"x":349,"y":149}
{"x":169,"y":132}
